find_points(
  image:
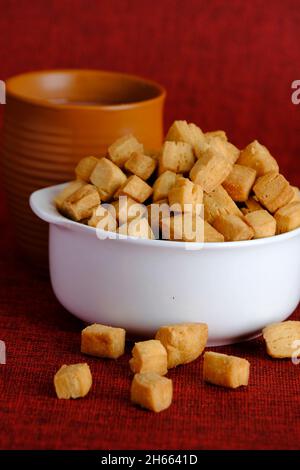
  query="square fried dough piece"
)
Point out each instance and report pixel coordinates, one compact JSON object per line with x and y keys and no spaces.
{"x":163,"y":184}
{"x":296,"y":197}
{"x":177,"y":157}
{"x":217,"y":144}
{"x":138,"y":228}
{"x":288,"y":217}
{"x":151,"y":391}
{"x":282,"y":339}
{"x":127,"y":209}
{"x":122,"y":149}
{"x":212,"y":134}
{"x":211,"y":235}
{"x":182,"y":131}
{"x":273,"y":191}
{"x":103,"y":341}
{"x":253,"y":205}
{"x":184,"y":342}
{"x":135,"y":188}
{"x":258,"y":157}
{"x":186,"y":227}
{"x":224,"y":370}
{"x":233,"y":228}
{"x":107,"y":177}
{"x":80,"y":204}
{"x":73,"y":381}
{"x":141,"y":165}
{"x":149,"y":356}
{"x":239,"y":182}
{"x":263,"y":224}
{"x":187,"y":195}
{"x":67,"y":191}
{"x":103,"y":219}
{"x":217,"y":203}
{"x":85,"y":167}
{"x":210,"y":170}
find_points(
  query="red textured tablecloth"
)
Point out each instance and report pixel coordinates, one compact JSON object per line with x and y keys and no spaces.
{"x":40,"y":336}
{"x":226,"y":64}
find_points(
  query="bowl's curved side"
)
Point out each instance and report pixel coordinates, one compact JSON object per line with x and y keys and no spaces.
{"x":135,"y":286}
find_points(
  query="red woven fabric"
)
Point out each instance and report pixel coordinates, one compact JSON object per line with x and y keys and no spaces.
{"x":226,"y":64}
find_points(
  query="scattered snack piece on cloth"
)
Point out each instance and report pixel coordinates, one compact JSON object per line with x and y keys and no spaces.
{"x":73,"y":381}
{"x":184,"y":342}
{"x":282,"y":339}
{"x":152,"y":391}
{"x":149,"y":356}
{"x":103,"y":341}
{"x":224,"y":370}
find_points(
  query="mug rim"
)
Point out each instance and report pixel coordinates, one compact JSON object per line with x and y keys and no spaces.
{"x":10,"y":84}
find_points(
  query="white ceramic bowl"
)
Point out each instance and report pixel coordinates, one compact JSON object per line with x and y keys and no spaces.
{"x":236,"y":288}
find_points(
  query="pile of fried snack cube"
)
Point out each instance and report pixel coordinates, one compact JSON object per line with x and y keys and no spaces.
{"x":173,"y":346}
{"x":242,"y":193}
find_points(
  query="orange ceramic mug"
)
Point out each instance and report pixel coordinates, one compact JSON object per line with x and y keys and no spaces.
{"x":54,"y":118}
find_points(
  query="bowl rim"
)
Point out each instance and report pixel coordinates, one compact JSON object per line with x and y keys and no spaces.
{"x":10,"y":83}
{"x":41,"y":203}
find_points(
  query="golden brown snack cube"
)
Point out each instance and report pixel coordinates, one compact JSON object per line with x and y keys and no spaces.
{"x":210,"y":170}
{"x":107,"y":177}
{"x":288,"y":217}
{"x":103,"y":218}
{"x":80,"y":204}
{"x":69,"y":189}
{"x":217,"y":203}
{"x":149,"y":356}
{"x":253,"y":205}
{"x":103,"y":341}
{"x":282,"y":339}
{"x":135,"y":188}
{"x":73,"y":381}
{"x":141,"y":165}
{"x":211,"y":235}
{"x":273,"y":191}
{"x":181,"y":131}
{"x":239,"y":182}
{"x":85,"y":167}
{"x":151,"y":391}
{"x":186,"y":227}
{"x":138,"y":227}
{"x":258,"y":157}
{"x":186,"y":194}
{"x":127,"y":209}
{"x":184,"y":342}
{"x":163,"y":184}
{"x":220,"y":134}
{"x":233,"y":228}
{"x":220,"y":146}
{"x":263,"y":224}
{"x":177,"y":157}
{"x":121,"y":150}
{"x":156,"y":212}
{"x":296,"y":196}
{"x":224,"y":370}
